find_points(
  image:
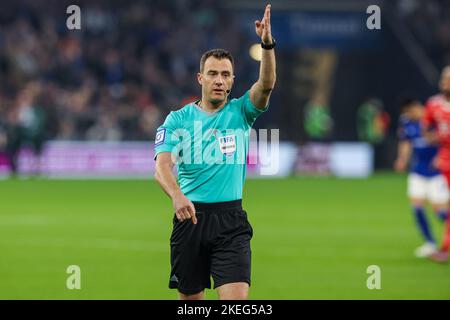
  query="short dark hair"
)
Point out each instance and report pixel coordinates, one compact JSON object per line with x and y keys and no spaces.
{"x":218,"y":54}
{"x":405,"y":102}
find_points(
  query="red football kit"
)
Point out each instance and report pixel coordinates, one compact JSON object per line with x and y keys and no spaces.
{"x":437,"y":116}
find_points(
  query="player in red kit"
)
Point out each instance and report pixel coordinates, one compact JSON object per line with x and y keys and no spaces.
{"x":436,"y":124}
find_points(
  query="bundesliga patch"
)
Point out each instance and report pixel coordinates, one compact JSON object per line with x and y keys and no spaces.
{"x":160,"y":136}
{"x":228,"y":145}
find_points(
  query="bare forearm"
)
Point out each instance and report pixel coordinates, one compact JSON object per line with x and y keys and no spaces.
{"x":184,"y":209}
{"x":430,"y":136}
{"x":404,"y":151}
{"x":267,"y":70}
{"x":166,"y":179}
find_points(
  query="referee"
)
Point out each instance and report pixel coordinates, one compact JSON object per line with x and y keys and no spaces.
{"x":211,"y":233}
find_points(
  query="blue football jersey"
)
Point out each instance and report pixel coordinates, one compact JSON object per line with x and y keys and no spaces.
{"x":423,"y":152}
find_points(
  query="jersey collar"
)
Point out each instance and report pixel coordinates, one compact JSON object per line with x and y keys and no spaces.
{"x":196,"y":105}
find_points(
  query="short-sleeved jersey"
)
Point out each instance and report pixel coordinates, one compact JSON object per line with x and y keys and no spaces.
{"x":437,"y":116}
{"x":211,"y":148}
{"x":423,"y":153}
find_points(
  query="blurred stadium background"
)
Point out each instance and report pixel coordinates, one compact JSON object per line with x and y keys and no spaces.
{"x":79,"y":110}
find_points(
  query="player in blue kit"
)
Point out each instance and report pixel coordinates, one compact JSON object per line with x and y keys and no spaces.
{"x":425,"y":182}
{"x":208,"y":141}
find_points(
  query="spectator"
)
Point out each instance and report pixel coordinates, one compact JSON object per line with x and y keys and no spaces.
{"x":373,"y":121}
{"x":318,"y":122}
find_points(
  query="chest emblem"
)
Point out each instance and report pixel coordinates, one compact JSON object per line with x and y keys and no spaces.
{"x":227,"y":144}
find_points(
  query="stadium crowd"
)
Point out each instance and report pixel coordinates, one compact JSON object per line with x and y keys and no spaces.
{"x":131,"y":63}
{"x":114,"y":79}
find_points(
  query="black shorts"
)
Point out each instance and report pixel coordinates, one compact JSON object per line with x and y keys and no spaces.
{"x":218,"y":246}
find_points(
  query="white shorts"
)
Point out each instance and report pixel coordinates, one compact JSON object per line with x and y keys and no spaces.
{"x":433,"y":189}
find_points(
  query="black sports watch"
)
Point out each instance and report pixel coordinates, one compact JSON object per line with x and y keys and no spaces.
{"x":269,"y":46}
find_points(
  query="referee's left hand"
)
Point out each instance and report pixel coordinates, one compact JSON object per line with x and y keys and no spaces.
{"x":184,"y":208}
{"x":263,"y":29}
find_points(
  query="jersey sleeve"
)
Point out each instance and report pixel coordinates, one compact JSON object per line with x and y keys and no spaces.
{"x":428,"y":120}
{"x":250,"y":111}
{"x":164,"y":139}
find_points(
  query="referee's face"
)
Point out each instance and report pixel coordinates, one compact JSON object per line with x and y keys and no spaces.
{"x":216,"y":80}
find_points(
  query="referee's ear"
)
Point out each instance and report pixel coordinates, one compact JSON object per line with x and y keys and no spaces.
{"x":200,"y":78}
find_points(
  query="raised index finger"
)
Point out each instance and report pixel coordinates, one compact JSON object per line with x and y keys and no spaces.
{"x":267,"y":17}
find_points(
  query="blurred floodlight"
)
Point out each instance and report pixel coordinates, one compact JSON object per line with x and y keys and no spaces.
{"x":256,"y":51}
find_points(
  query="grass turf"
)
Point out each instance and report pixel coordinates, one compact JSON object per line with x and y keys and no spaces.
{"x":313,"y":239}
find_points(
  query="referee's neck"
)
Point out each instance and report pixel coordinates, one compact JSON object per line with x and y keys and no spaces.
{"x":210,"y":107}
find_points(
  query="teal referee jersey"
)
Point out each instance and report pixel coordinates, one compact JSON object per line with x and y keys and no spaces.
{"x":210,"y":148}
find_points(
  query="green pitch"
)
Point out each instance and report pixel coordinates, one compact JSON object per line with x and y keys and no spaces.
{"x":314,"y":239}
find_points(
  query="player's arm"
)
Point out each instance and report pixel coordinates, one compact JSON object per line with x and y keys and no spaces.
{"x":431,"y":136}
{"x":261,"y":90}
{"x":184,"y":209}
{"x":403,"y":155}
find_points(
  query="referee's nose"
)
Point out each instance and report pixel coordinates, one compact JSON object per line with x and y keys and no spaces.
{"x":219,"y":81}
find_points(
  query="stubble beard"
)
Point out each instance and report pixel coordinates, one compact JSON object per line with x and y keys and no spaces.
{"x":215,"y":101}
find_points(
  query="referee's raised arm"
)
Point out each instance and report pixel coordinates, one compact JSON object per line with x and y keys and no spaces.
{"x":261,"y":90}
